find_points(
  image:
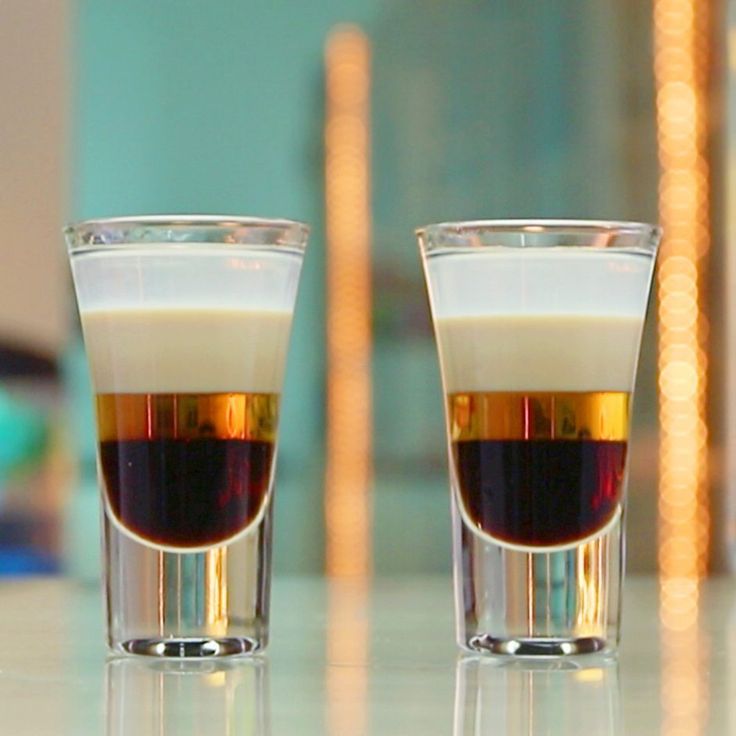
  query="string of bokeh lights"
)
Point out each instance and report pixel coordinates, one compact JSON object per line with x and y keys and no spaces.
{"x":681,"y":62}
{"x":681,"y":52}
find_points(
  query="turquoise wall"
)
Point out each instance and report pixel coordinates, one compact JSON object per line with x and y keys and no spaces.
{"x":186,"y":106}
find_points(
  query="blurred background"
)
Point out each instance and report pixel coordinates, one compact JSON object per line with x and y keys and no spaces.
{"x":367,"y":118}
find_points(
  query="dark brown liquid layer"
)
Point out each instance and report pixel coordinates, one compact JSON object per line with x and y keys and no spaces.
{"x":186,"y":493}
{"x":186,"y":470}
{"x":540,"y":492}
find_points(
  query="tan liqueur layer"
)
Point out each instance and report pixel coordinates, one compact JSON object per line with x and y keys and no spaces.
{"x":186,"y":350}
{"x":538,"y":352}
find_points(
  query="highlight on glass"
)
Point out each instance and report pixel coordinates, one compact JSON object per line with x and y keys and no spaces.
{"x":538,"y":327}
{"x":186,"y":324}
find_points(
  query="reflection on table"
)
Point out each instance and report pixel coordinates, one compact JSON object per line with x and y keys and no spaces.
{"x":537,"y":697}
{"x":178,"y":699}
{"x":351,"y":661}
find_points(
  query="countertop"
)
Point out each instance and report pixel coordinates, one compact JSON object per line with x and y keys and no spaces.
{"x":354,"y":660}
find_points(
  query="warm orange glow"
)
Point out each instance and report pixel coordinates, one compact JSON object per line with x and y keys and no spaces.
{"x":349,"y":414}
{"x":685,"y":686}
{"x":681,"y":44}
{"x":346,"y":679}
{"x":681,"y":70}
{"x":349,"y":403}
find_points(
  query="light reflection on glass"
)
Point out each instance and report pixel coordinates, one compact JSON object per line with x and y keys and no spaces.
{"x":525,"y":698}
{"x":188,"y":698}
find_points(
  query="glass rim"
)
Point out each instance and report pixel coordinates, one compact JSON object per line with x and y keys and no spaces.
{"x":95,"y":233}
{"x":648,"y":235}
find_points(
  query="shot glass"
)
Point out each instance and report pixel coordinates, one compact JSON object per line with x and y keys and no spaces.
{"x":538,"y":326}
{"x":186,"y":324}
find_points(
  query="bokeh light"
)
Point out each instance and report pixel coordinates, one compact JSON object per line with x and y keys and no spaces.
{"x":349,"y":397}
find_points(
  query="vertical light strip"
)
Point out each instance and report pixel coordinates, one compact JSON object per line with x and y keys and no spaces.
{"x":349,"y":414}
{"x":681,"y":69}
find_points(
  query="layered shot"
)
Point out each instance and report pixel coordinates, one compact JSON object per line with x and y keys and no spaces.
{"x":538,"y":326}
{"x":538,"y":390}
{"x":186,"y":325}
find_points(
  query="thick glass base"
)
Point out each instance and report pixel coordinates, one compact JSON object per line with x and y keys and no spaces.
{"x":189,"y":648}
{"x":537,"y":647}
{"x":551,"y":603}
{"x":187,"y":605}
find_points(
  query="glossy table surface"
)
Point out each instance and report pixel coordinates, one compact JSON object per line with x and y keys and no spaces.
{"x":353,"y":661}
